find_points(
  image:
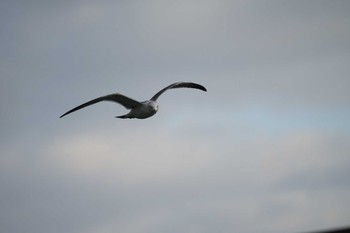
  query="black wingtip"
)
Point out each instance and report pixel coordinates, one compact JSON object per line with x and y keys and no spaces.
{"x":200,"y":87}
{"x":64,"y":114}
{"x":192,"y":85}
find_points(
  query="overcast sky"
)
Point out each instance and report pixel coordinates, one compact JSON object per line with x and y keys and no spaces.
{"x":265,"y":150}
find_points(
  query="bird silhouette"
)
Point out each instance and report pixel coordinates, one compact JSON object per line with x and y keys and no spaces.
{"x":139,"y":110}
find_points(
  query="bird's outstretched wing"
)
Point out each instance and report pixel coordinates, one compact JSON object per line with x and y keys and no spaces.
{"x":121,"y":99}
{"x":178,"y":85}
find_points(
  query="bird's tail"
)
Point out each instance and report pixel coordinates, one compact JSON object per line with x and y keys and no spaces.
{"x":122,"y":117}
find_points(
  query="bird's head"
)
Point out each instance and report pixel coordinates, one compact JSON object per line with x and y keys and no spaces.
{"x":153,"y":106}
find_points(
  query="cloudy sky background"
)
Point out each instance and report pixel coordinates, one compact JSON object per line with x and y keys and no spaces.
{"x":266,"y":149}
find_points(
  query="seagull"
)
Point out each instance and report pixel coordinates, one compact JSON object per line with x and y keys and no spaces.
{"x":139,"y":110}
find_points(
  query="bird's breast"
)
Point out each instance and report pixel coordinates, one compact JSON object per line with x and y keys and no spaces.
{"x":143,"y":112}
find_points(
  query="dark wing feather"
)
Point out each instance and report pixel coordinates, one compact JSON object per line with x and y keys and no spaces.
{"x":178,"y":85}
{"x":121,"y":99}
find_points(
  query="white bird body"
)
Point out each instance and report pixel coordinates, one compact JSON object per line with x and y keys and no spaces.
{"x":139,"y":110}
{"x":147,"y":109}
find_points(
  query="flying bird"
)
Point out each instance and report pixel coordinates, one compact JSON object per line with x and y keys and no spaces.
{"x":139,"y":110}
